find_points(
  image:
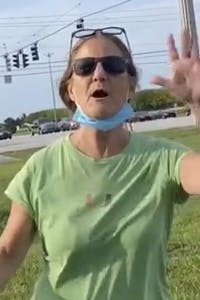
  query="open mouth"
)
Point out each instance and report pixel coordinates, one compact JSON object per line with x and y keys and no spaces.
{"x":100,"y":93}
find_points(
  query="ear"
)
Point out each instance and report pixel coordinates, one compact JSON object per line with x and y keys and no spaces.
{"x":71,"y":90}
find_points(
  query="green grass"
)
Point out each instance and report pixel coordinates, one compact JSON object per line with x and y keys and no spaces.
{"x":184,"y":247}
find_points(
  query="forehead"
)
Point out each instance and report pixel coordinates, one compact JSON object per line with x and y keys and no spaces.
{"x":97,"y":47}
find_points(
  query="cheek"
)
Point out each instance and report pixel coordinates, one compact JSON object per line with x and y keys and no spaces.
{"x":80,"y":85}
{"x":121,"y":85}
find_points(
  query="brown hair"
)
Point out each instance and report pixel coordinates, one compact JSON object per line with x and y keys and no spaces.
{"x":64,"y":83}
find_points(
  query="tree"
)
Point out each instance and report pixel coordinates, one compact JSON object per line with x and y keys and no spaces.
{"x":154,"y":99}
{"x":47,"y":115}
{"x":10,"y":124}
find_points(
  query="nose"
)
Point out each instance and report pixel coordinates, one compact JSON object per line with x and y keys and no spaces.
{"x":99,"y":73}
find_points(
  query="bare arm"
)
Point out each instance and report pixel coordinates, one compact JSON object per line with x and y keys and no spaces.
{"x":190,"y":174}
{"x":15,"y":241}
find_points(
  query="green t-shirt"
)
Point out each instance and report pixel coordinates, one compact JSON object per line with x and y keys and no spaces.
{"x":104,"y":224}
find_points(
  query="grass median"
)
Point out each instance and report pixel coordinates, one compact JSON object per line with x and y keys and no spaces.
{"x":184,"y":246}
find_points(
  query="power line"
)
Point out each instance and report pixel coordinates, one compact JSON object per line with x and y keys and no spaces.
{"x":147,"y":54}
{"x":125,"y":21}
{"x":59,"y":63}
{"x":71,"y":9}
{"x":137,"y":16}
{"x":122,"y":19}
{"x":106,"y":22}
{"x":72,"y":15}
{"x":62,"y":70}
{"x":46,"y":26}
{"x":149,"y":9}
{"x":45,"y":67}
{"x":110,"y":17}
{"x":71,"y":23}
{"x":30,"y":74}
{"x":36,"y":68}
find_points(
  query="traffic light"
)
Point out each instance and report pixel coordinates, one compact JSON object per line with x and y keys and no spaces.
{"x":15,"y":60}
{"x":80,"y":23}
{"x":34,"y":52}
{"x":25,"y":60}
{"x":8,"y":62}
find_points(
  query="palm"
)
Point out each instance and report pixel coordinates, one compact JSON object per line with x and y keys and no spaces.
{"x":184,"y":83}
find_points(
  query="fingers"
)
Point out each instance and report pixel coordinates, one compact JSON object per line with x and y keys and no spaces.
{"x":190,"y":46}
{"x":173,"y":52}
{"x":196,"y":69}
{"x":186,"y":44}
{"x":195,"y":48}
{"x":161,"y":81}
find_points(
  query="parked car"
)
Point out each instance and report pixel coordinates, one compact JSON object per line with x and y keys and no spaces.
{"x":64,"y":125}
{"x":4,"y":135}
{"x":169,"y":114}
{"x":68,"y":125}
{"x":155,"y":115}
{"x":74,"y":125}
{"x":49,"y":128}
{"x":141,"y":116}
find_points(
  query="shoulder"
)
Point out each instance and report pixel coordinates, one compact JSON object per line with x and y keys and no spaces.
{"x":149,"y":148}
{"x":46,"y":156}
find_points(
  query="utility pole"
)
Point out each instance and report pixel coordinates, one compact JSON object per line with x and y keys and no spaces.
{"x":188,"y":19}
{"x":188,"y":22}
{"x":52,"y":88}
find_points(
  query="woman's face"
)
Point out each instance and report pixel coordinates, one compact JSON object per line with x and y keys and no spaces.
{"x":99,"y":92}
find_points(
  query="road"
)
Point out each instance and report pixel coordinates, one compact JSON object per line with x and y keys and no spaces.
{"x":37,"y":141}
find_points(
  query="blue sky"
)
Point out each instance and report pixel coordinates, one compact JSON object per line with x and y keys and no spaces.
{"x":147,"y":24}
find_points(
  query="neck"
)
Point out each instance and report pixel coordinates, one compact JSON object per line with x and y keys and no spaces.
{"x":100,"y":144}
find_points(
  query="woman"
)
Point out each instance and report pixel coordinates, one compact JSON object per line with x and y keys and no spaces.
{"x":101,"y":199}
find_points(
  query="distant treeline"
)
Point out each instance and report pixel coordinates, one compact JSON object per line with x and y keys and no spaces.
{"x":152,"y":99}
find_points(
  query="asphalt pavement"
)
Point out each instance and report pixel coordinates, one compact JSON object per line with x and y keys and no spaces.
{"x":28,"y":142}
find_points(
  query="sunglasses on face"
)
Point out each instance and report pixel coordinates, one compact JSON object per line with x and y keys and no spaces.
{"x":113,"y":65}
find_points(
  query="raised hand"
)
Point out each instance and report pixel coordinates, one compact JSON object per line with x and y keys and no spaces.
{"x":185,"y":80}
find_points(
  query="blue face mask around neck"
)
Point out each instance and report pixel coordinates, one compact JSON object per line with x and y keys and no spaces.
{"x":125,"y":113}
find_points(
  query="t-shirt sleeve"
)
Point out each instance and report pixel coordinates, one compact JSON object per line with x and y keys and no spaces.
{"x":19,"y":189}
{"x":176,"y":154}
